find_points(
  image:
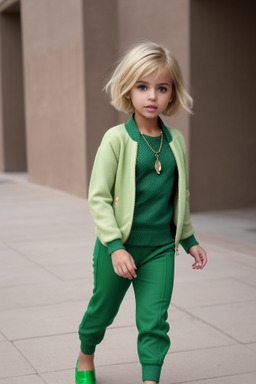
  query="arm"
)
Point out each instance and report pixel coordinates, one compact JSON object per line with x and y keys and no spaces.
{"x":100,"y":196}
{"x":100,"y":199}
{"x":190,"y":244}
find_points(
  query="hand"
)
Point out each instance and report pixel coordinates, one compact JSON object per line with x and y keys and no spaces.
{"x":200,"y":257}
{"x":123,"y":264}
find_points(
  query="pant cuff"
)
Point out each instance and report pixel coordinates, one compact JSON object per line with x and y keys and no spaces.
{"x":87,"y":349}
{"x":151,"y":372}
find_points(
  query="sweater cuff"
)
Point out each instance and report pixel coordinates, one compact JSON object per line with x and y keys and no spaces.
{"x":114,"y":245}
{"x":188,"y":243}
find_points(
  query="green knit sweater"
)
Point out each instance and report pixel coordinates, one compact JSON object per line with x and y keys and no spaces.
{"x":153,"y":204}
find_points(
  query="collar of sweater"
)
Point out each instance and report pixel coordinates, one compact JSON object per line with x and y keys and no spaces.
{"x":134,"y":133}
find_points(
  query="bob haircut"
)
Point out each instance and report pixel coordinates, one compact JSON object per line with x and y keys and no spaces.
{"x":142,"y":60}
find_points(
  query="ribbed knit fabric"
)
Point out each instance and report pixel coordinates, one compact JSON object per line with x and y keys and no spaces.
{"x":114,"y":245}
{"x":153,"y":207}
{"x":87,"y":349}
{"x":151,"y":372}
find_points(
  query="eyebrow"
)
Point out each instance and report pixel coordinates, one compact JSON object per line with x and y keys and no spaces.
{"x":145,"y":82}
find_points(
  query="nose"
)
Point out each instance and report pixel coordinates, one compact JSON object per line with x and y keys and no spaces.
{"x":152,"y":94}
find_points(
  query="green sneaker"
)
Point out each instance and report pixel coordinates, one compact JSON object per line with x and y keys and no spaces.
{"x":84,"y":377}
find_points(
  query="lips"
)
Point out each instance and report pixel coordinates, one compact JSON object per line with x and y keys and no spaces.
{"x":151,"y":108}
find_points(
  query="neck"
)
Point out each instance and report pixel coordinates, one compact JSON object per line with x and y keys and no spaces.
{"x":147,"y":126}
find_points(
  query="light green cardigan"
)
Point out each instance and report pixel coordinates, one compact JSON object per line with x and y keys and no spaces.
{"x":112,"y":186}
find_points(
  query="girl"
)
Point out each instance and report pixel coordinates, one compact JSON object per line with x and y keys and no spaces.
{"x":139,"y":201}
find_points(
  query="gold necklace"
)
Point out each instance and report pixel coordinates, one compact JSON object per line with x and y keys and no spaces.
{"x":158,"y":166}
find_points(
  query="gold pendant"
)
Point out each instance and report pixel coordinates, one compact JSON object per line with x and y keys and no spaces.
{"x":158,"y":166}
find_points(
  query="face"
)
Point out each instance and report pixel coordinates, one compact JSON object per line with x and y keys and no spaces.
{"x":151,"y":94}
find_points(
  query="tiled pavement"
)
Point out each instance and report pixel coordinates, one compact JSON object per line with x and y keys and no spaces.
{"x":46,"y":243}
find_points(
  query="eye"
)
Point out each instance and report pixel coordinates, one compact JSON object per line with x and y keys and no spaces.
{"x":142,"y":87}
{"x":162,"y":89}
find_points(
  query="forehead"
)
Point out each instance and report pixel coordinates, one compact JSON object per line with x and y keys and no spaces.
{"x":160,"y":75}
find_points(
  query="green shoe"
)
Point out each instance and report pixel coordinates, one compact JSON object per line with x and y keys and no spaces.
{"x":84,"y":377}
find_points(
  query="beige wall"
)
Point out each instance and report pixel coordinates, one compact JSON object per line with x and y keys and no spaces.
{"x":100,"y":47}
{"x":223,"y":133}
{"x":12,"y":125}
{"x":54,"y":93}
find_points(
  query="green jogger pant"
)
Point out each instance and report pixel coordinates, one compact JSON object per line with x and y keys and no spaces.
{"x":152,"y":288}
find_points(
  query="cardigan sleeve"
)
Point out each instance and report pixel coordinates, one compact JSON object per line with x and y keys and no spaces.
{"x":190,"y":241}
{"x":114,"y":246}
{"x":100,"y":195}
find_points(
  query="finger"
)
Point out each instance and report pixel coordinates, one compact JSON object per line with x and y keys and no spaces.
{"x":119,"y":271}
{"x":131,"y":268}
{"x":197,"y":263}
{"x":126,"y":272}
{"x":133,"y":262}
{"x":116,"y":271}
{"x":204,"y":261}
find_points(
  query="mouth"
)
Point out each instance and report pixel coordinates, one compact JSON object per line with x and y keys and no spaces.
{"x":151,"y":108}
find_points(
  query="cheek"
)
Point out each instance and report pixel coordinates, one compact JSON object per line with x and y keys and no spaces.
{"x":169,"y":97}
{"x":166,"y":97}
{"x":135,"y":97}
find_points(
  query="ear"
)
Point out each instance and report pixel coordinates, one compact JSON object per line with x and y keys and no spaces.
{"x":128,"y":95}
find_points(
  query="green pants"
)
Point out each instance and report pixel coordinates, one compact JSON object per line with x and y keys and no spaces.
{"x":153,"y":289}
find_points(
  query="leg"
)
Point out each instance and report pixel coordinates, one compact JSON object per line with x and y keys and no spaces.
{"x":108,"y":293}
{"x":153,"y":290}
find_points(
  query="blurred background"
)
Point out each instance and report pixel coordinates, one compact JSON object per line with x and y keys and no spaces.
{"x":56,"y":56}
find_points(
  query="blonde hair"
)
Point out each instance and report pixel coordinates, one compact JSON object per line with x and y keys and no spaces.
{"x":144,"y":59}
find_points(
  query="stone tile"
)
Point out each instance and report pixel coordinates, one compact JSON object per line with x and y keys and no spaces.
{"x":72,"y":271}
{"x":46,"y":353}
{"x":247,"y":378}
{"x":53,"y":353}
{"x":236,"y":320}
{"x":45,"y":294}
{"x":235,"y":248}
{"x":212,"y":271}
{"x":252,"y":347}
{"x":32,"y":233}
{"x":31,"y":379}
{"x":207,"y":363}
{"x":57,"y":251}
{"x":189,"y":333}
{"x":40,"y":321}
{"x":2,"y":337}
{"x":206,"y":293}
{"x":246,"y":255}
{"x":61,"y":377}
{"x":10,"y":258}
{"x":221,"y":264}
{"x":186,"y":332}
{"x":246,"y":275}
{"x":118,"y":347}
{"x":226,"y":223}
{"x":27,"y":275}
{"x":9,"y":354}
{"x":123,"y":373}
{"x":223,"y":364}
